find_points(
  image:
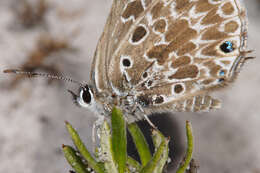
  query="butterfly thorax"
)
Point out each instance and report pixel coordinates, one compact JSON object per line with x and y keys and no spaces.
{"x":129,"y":103}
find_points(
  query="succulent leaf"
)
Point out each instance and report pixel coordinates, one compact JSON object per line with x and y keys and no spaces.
{"x":98,"y":167}
{"x":140,"y":143}
{"x":74,"y":160}
{"x":119,"y":140}
{"x":111,"y":154}
{"x":158,"y":156}
{"x":106,"y":149}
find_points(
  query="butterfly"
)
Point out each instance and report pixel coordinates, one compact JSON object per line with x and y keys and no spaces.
{"x":165,"y":55}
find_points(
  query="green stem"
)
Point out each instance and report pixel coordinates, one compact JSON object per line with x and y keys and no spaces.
{"x":189,"y":151}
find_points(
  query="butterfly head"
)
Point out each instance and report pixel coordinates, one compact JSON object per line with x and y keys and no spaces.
{"x":85,"y":98}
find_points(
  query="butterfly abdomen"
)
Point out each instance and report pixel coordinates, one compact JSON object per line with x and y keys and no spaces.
{"x":199,"y":103}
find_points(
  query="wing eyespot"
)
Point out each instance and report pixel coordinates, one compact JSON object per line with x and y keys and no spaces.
{"x":139,"y":34}
{"x":145,"y":75}
{"x":178,"y":88}
{"x":126,"y":62}
{"x":221,"y":80}
{"x":227,"y":47}
{"x":222,"y":73}
{"x":158,"y":100}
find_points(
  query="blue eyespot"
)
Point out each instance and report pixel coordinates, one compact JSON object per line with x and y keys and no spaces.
{"x":227,"y":47}
{"x":221,"y":80}
{"x":222,"y":73}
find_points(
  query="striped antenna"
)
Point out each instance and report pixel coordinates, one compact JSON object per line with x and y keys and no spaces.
{"x":34,"y":74}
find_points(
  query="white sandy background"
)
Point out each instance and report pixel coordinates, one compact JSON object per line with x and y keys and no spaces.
{"x":32,"y":114}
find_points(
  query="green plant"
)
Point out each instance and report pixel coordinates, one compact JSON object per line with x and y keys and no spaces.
{"x":111,"y":155}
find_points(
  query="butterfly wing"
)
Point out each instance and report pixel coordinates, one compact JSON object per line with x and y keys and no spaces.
{"x":103,"y":51}
{"x":174,"y":52}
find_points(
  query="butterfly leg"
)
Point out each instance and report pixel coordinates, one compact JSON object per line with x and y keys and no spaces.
{"x":146,"y":118}
{"x":96,"y":129}
{"x":149,"y":121}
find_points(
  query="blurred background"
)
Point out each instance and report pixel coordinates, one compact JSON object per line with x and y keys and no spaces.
{"x":60,"y":37}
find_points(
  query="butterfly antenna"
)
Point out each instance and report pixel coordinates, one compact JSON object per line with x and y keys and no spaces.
{"x":34,"y":74}
{"x":250,"y":57}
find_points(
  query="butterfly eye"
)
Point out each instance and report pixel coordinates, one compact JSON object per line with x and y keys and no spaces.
{"x":85,"y":95}
{"x":227,"y":47}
